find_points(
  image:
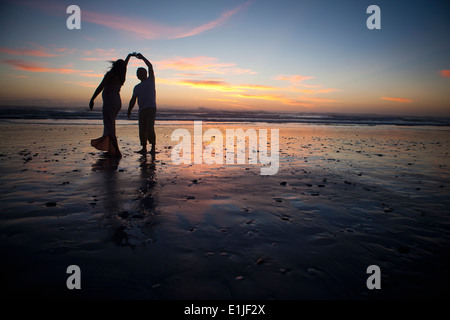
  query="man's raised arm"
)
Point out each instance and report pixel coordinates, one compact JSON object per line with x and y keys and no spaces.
{"x":149,"y":65}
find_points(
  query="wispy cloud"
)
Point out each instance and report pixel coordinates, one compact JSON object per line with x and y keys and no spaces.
{"x":208,"y":85}
{"x":202,"y":64}
{"x":148,"y":29}
{"x":26,"y":52}
{"x":188,"y":75}
{"x":276,"y":97}
{"x":288,"y":96}
{"x":293,"y":79}
{"x":95,"y":75}
{"x":18,"y":76}
{"x":139,"y":27}
{"x":305,"y":101}
{"x":217,"y":22}
{"x":445,"y":73}
{"x":312,"y":91}
{"x":401,"y":100}
{"x":220,"y":85}
{"x":83,"y":83}
{"x":233,"y":103}
{"x":297,"y":85}
{"x":38,"y":67}
{"x":99,"y":54}
{"x":32,"y":49}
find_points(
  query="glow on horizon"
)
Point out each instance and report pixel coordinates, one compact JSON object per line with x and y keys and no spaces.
{"x":226,"y":56}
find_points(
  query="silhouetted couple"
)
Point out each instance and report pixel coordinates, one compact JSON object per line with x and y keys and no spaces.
{"x":144,"y":93}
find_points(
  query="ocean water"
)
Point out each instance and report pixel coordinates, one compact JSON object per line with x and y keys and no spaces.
{"x":208,"y":115}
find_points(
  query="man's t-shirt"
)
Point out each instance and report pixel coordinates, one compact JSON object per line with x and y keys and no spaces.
{"x":146,"y":94}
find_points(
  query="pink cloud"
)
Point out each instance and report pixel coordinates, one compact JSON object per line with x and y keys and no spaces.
{"x":445,"y":73}
{"x":37,"y":67}
{"x":99,"y":54}
{"x":313,"y":91}
{"x":95,"y":75}
{"x":293,"y":79}
{"x":401,"y":100}
{"x":202,"y":64}
{"x":144,"y":28}
{"x":26,"y":52}
{"x":83,"y":84}
{"x":36,"y":50}
{"x":17,"y":76}
{"x":217,"y":22}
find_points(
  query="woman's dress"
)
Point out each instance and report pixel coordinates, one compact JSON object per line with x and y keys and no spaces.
{"x":111,"y":107}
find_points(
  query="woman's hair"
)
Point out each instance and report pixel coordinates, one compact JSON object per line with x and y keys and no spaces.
{"x":119,"y":69}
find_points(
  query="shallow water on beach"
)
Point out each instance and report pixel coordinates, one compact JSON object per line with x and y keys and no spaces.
{"x":344,"y":198}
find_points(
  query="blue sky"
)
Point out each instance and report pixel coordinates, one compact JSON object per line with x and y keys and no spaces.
{"x":307,"y":56}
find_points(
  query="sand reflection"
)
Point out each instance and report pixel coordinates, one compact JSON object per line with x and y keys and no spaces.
{"x":129,"y":200}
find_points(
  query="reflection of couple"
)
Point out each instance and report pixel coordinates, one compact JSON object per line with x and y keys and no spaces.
{"x":144,"y":93}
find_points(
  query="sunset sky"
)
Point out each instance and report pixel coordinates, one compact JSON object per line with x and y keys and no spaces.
{"x":305,"y":56}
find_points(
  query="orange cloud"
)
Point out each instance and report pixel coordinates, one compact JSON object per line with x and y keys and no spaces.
{"x":445,"y":73}
{"x":83,"y":83}
{"x":278,"y":98}
{"x":35,"y":67}
{"x":316,"y":99}
{"x":401,"y":100}
{"x":305,"y":101}
{"x":201,"y":64}
{"x":96,"y":75}
{"x":223,"y":86}
{"x":313,"y":91}
{"x":208,"y":84}
{"x":191,"y":64}
{"x":295,"y":93}
{"x":278,"y":94}
{"x":256,"y":87}
{"x":188,"y":75}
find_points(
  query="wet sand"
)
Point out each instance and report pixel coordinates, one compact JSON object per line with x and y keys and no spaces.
{"x":344,"y":198}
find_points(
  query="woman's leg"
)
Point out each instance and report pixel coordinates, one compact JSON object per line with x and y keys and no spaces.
{"x":109,"y":128}
{"x":116,"y":151}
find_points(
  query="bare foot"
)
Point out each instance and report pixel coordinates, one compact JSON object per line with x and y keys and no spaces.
{"x":142,"y":151}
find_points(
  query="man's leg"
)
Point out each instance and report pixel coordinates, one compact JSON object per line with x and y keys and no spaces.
{"x":143,"y":131}
{"x":151,"y":129}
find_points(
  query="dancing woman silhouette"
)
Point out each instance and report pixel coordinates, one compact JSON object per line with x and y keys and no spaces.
{"x":110,"y":85}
